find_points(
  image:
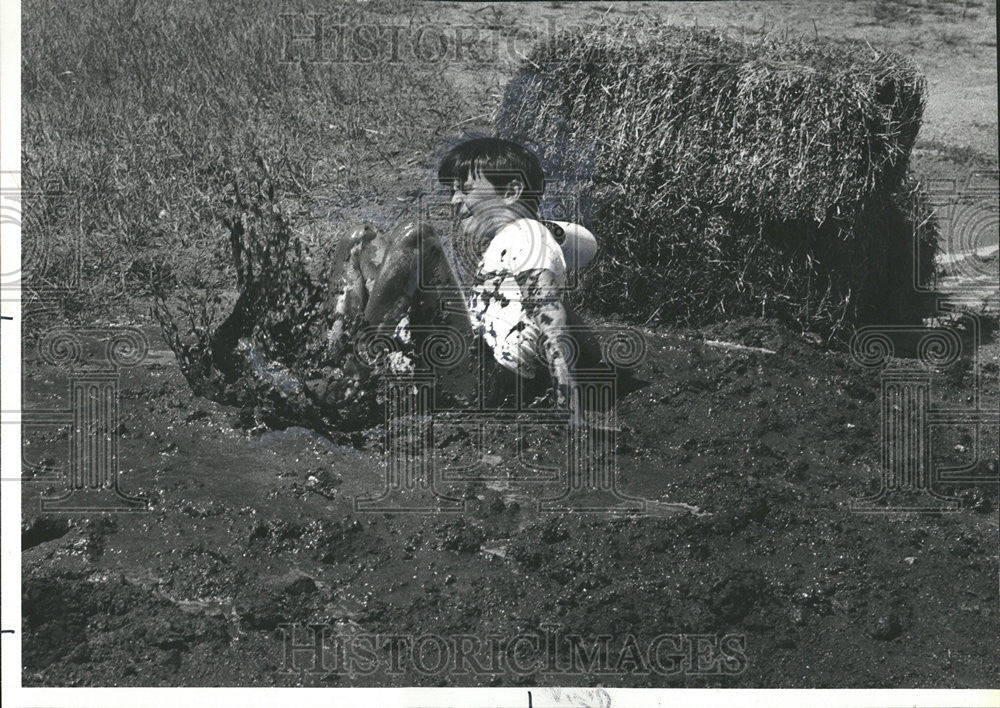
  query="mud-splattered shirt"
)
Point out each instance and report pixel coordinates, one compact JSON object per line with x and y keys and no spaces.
{"x":497,"y":308}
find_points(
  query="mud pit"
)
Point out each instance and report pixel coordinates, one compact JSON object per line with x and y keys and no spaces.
{"x":250,"y":530}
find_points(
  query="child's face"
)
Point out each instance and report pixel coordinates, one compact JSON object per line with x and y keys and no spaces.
{"x":481,"y":208}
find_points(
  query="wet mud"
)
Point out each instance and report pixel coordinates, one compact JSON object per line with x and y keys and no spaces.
{"x":750,"y":569}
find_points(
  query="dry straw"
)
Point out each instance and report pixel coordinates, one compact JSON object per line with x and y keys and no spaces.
{"x":727,"y":177}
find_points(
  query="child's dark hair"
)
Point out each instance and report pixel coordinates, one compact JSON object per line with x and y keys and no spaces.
{"x":500,"y":162}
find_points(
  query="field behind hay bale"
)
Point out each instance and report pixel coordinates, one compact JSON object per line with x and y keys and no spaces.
{"x":137,"y":115}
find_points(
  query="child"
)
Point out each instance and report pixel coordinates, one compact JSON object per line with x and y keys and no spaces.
{"x":515,"y":302}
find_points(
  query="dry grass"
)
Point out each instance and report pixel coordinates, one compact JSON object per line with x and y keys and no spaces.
{"x":143,"y":113}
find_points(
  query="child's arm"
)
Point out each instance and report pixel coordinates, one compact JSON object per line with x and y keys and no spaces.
{"x":541,"y":303}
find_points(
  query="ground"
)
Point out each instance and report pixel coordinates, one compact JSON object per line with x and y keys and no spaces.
{"x":755,"y":453}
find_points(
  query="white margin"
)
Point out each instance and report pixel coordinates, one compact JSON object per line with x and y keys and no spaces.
{"x":10,"y":358}
{"x":506,"y":697}
{"x":13,"y":694}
